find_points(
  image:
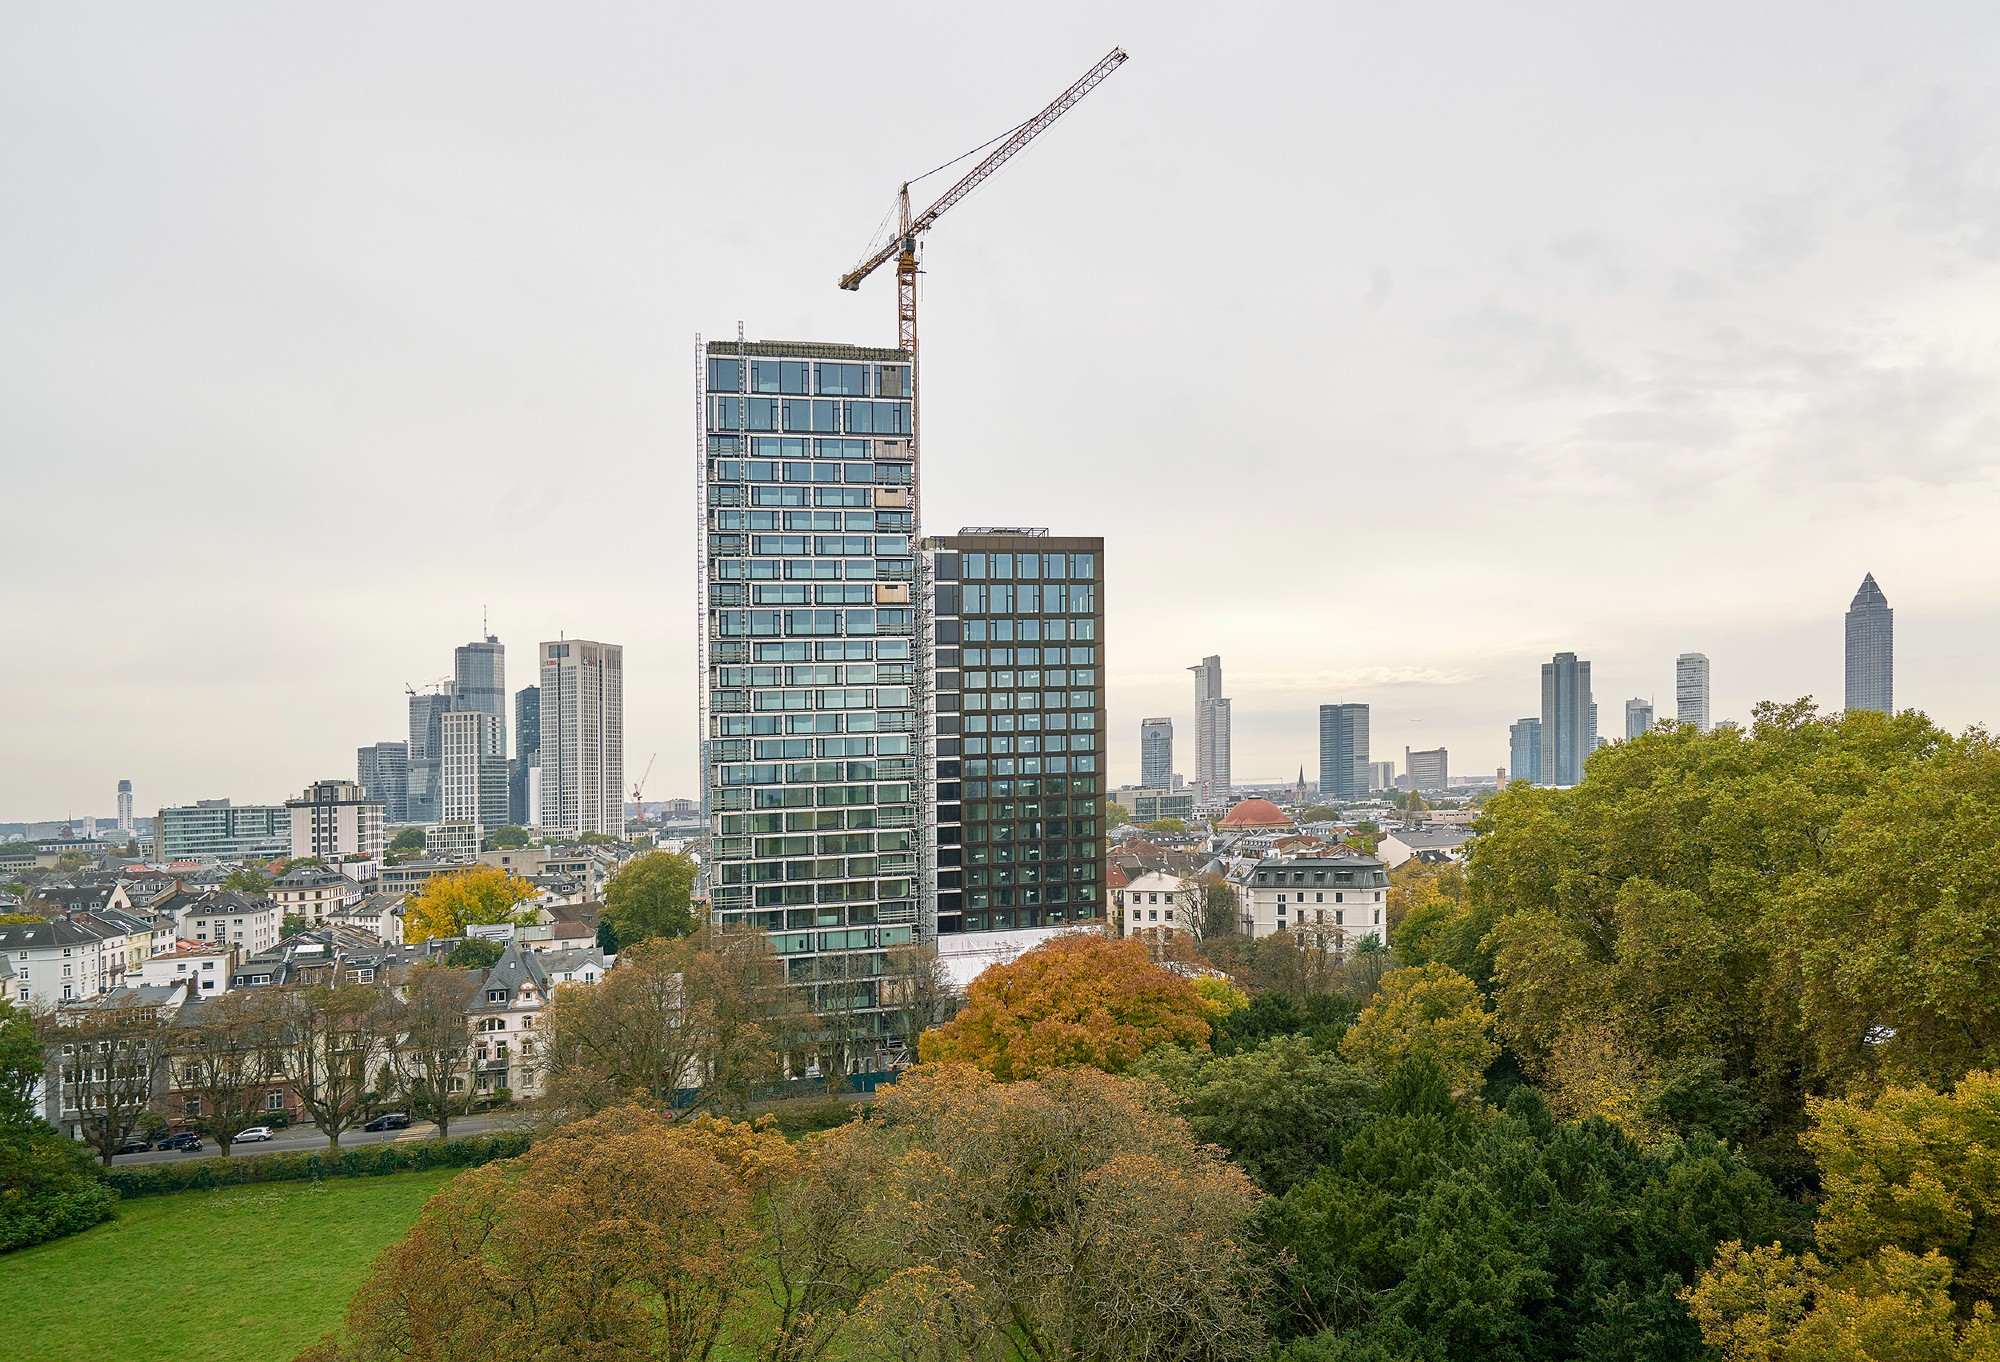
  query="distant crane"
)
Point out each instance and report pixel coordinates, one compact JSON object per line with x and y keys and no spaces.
{"x":908,"y":227}
{"x":639,"y":789}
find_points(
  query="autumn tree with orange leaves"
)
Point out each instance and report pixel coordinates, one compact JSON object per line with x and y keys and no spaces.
{"x":1079,"y":999}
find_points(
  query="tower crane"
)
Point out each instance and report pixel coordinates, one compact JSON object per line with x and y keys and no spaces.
{"x":639,"y":790}
{"x":903,"y":248}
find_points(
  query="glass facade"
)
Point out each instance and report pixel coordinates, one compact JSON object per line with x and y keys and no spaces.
{"x":812,"y":658}
{"x":1018,"y":718}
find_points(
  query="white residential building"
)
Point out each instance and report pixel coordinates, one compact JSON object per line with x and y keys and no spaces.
{"x":1157,"y":901}
{"x":1339,"y":899}
{"x":207,"y":967}
{"x":58,"y":961}
{"x":1397,"y":847}
{"x":505,"y":1016}
{"x":227,"y":918}
{"x":335,"y":819}
{"x":583,"y":737}
{"x":312,"y":892}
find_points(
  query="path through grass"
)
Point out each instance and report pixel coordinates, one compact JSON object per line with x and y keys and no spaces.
{"x":240,"y":1274}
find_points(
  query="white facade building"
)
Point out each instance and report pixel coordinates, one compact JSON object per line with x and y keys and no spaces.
{"x":231,"y":919}
{"x":335,"y":819}
{"x":1211,"y":736}
{"x":583,"y":737}
{"x":208,"y":969}
{"x":312,"y":892}
{"x":57,"y":961}
{"x":1157,"y":901}
{"x":1691,"y":690}
{"x":1339,"y":899}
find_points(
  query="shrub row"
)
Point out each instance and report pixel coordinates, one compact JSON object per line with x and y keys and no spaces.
{"x":369,"y":1161}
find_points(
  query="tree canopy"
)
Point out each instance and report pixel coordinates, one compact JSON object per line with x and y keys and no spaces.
{"x":1077,"y":999}
{"x":650,"y":896}
{"x":1434,"y":1013}
{"x":479,"y":895}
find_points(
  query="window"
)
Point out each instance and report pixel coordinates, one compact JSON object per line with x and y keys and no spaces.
{"x":496,"y":995}
{"x":274,"y":1101}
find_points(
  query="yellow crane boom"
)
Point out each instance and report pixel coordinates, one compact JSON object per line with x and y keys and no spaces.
{"x":908,"y":228}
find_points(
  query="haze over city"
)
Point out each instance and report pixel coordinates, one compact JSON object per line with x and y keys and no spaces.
{"x":1389,"y":352}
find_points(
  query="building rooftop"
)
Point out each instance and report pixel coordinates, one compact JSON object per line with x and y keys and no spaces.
{"x":1255,"y":813}
{"x":807,"y":350}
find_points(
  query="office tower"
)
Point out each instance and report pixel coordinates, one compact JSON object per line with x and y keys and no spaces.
{"x":1569,"y":728}
{"x":1343,"y":751}
{"x":1381,"y":775}
{"x":1871,"y":640}
{"x":479,"y":681}
{"x":1156,"y":753}
{"x":335,"y":819}
{"x":125,"y":806}
{"x":1211,"y":735}
{"x":1524,"y":750}
{"x":524,"y":778}
{"x":813,"y":669}
{"x":583,"y":737}
{"x":474,"y":788}
{"x":1429,"y":770}
{"x":425,"y":800}
{"x":1691,"y":690}
{"x":1595,"y":739}
{"x":1638,"y":717}
{"x":383,"y":772}
{"x":1018,"y":707}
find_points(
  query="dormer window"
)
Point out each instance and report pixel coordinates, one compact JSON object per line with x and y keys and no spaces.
{"x":496,"y":995}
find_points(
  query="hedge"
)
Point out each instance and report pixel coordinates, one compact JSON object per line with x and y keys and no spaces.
{"x":368,"y":1161}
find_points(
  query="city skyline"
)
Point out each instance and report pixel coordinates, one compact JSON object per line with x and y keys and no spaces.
{"x":1693,"y":361}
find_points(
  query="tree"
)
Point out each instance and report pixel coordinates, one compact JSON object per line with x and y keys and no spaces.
{"x":433,"y":1043}
{"x":47,"y":1185}
{"x":227,"y":1052}
{"x":22,"y":1063}
{"x":292,"y":925}
{"x":448,"y":904}
{"x":1078,"y":998}
{"x":1116,"y":814}
{"x":1282,"y":1110}
{"x":1434,"y":1013}
{"x":111,"y":1054}
{"x":329,"y":1038}
{"x":1320,"y":813}
{"x":474,"y":953}
{"x":918,"y":992}
{"x":1074,"y":1217}
{"x":708,"y":1014}
{"x":1221,"y":909}
{"x":1912,"y":1200}
{"x":409,"y":839}
{"x":1167,"y":825}
{"x":622,"y":1236}
{"x":650,"y":896}
{"x":509,"y":838}
{"x":248,"y":880}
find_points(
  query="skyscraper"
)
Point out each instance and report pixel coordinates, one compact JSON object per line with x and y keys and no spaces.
{"x":1524,"y":750}
{"x":1211,"y":735}
{"x":125,"y":806}
{"x":383,"y":771}
{"x":1428,"y":770}
{"x":1691,"y":690}
{"x":479,"y":682}
{"x":1018,"y":775}
{"x":1569,"y":730}
{"x":1871,"y":648}
{"x":524,"y":790}
{"x":425,"y":801}
{"x":1156,"y":753}
{"x":812,"y":697}
{"x":1638,"y":717}
{"x":475,"y":770}
{"x":1343,"y":751}
{"x":583,"y":737}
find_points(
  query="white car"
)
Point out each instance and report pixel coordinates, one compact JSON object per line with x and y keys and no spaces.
{"x":255,"y":1133}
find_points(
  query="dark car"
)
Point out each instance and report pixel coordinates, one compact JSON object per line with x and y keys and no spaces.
{"x":185,"y":1139}
{"x":395,"y":1120}
{"x":134,"y":1144}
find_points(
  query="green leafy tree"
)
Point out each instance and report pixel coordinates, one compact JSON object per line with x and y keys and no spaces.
{"x":1167,"y":825}
{"x":1116,"y":814}
{"x":248,"y":880}
{"x":293,"y":924}
{"x":409,"y":839}
{"x":1434,"y":1013}
{"x":650,"y":897}
{"x":474,"y":953}
{"x":509,"y":838}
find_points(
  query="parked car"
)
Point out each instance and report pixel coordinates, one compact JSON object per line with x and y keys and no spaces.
{"x":185,"y":1139}
{"x":134,"y":1144}
{"x":254,"y":1133}
{"x":394,"y":1120}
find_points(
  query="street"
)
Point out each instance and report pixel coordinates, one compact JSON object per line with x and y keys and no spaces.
{"x":305,"y":1139}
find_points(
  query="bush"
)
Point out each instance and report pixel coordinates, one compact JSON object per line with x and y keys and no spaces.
{"x":48,"y":1187}
{"x":369,"y":1161}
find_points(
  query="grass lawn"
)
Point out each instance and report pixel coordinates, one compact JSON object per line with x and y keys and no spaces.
{"x":239,"y":1274}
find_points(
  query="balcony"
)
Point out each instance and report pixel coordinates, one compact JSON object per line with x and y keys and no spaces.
{"x":896,"y":816}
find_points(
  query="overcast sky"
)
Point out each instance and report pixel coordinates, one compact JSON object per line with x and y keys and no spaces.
{"x":1391,"y":348}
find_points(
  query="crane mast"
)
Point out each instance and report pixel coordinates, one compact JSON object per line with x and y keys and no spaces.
{"x":908,"y":227}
